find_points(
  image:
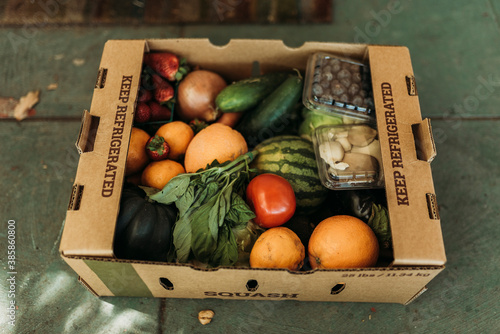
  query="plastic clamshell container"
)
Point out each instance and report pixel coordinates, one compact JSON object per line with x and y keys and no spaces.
{"x":338,"y":86}
{"x":348,"y":156}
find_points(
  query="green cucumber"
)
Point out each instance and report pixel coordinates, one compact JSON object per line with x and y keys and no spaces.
{"x":246,"y":94}
{"x":273,"y":114}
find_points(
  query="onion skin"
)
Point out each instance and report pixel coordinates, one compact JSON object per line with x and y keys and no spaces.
{"x":196,"y":96}
{"x":230,"y":118}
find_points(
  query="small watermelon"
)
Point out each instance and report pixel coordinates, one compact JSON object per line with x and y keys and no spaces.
{"x":292,"y":157}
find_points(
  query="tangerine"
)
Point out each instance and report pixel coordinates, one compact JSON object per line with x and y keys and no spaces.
{"x":137,"y":157}
{"x":216,"y":142}
{"x":178,"y":135}
{"x":278,"y":247}
{"x":158,"y":173}
{"x":343,"y":242}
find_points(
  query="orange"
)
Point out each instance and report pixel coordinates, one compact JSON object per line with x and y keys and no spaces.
{"x":216,"y":141}
{"x":278,"y":247}
{"x":178,"y":135}
{"x":158,"y":173}
{"x":137,"y":157}
{"x":343,"y":242}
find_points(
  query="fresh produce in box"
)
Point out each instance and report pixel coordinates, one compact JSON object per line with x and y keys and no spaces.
{"x":137,"y":157}
{"x":178,"y":135}
{"x":339,"y":86}
{"x":197,"y":125}
{"x":144,"y":95}
{"x":157,"y":148}
{"x":313,"y":119}
{"x":230,"y":119}
{"x":343,"y":242}
{"x":379,"y":223}
{"x":158,"y":173}
{"x":348,"y":156}
{"x":159,"y":112}
{"x":272,"y":199}
{"x":246,"y":235}
{"x":157,"y":94}
{"x":278,"y":247}
{"x":292,"y":157}
{"x":209,"y":207}
{"x":167,"y":65}
{"x":245,"y":94}
{"x":142,"y":113}
{"x":224,"y":218}
{"x":369,"y":205}
{"x":143,"y":228}
{"x":196,"y":95}
{"x":273,"y":113}
{"x":215,"y":142}
{"x":163,"y":91}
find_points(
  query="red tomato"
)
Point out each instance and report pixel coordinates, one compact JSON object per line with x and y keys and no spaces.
{"x":272,"y":199}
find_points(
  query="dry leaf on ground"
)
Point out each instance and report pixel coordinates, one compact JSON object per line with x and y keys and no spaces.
{"x":7,"y":106}
{"x":52,"y":86}
{"x":205,"y":316}
{"x":25,"y":105}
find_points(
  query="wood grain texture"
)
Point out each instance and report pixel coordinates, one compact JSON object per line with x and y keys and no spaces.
{"x":73,"y":12}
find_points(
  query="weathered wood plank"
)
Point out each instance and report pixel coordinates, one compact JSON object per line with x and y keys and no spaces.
{"x":21,"y":12}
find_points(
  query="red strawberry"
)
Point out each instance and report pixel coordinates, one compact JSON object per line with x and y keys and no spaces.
{"x":163,"y":91}
{"x":157,"y":148}
{"x":159,"y":112}
{"x":167,"y":65}
{"x":142,"y":113}
{"x":145,"y":95}
{"x":197,"y":125}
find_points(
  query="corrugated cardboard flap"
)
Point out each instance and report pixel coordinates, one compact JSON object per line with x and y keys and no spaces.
{"x":103,"y":145}
{"x":87,"y":286}
{"x":231,"y":63}
{"x":415,"y":224}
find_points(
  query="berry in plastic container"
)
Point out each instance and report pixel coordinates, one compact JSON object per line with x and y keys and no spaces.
{"x":339,"y":86}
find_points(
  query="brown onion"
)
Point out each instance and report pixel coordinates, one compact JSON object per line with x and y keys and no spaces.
{"x":196,"y":95}
{"x":230,"y":118}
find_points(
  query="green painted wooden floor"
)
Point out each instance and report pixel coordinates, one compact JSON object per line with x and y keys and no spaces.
{"x":455,"y":47}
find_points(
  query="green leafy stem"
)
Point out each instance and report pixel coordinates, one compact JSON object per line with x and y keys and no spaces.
{"x":210,"y":205}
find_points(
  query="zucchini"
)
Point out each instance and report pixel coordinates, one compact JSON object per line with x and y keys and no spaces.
{"x":273,"y":114}
{"x":247,"y":93}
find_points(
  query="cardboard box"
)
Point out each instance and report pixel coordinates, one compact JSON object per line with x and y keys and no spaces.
{"x":407,"y":147}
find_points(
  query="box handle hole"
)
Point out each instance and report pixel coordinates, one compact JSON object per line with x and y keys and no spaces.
{"x":88,"y":132}
{"x":338,"y":288}
{"x":252,"y":285}
{"x":425,"y":146}
{"x":101,"y":78}
{"x":411,"y":85}
{"x":432,"y":206}
{"x":76,"y":197}
{"x":166,"y":284}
